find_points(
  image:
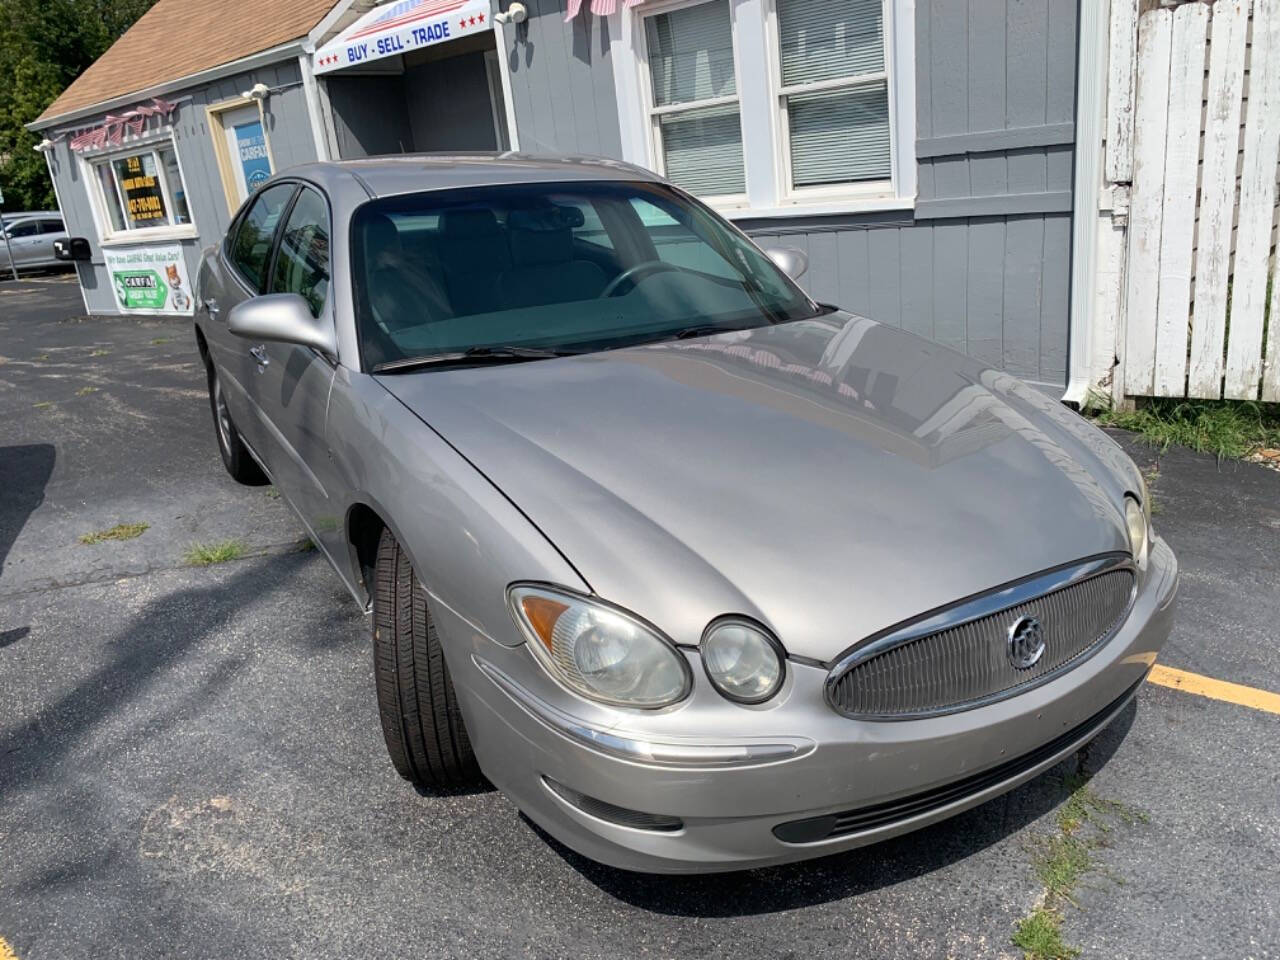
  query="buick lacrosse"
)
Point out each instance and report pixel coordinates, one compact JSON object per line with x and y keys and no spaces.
{"x":702,"y":574}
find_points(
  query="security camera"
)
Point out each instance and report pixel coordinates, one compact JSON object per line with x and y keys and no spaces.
{"x":259,"y":91}
{"x":515,"y":13}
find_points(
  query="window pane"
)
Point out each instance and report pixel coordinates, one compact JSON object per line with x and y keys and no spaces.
{"x":824,"y":39}
{"x":302,"y":265}
{"x":110,"y":198}
{"x":252,"y":246}
{"x":703,"y":149}
{"x":52,"y":226}
{"x":27,"y":228}
{"x":691,"y":54}
{"x":177,"y":189}
{"x":140,"y":183}
{"x":840,"y":136}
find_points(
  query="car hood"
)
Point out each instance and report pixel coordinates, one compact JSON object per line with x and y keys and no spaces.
{"x":829,"y":477}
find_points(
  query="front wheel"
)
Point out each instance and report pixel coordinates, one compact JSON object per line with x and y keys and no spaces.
{"x":235,"y":455}
{"x":421,"y":721}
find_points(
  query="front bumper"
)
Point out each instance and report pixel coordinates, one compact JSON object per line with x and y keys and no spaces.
{"x":742,"y":788}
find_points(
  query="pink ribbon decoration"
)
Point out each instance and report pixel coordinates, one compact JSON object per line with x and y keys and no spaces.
{"x":113,"y":127}
{"x":599,"y":8}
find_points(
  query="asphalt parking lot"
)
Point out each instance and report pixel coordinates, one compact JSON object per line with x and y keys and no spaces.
{"x":191,"y":764}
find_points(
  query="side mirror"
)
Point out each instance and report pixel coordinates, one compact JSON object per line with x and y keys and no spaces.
{"x":72,"y":248}
{"x":281,"y":318}
{"x":789,"y":260}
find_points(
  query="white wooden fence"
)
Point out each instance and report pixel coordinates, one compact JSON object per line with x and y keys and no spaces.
{"x":1194,"y":126}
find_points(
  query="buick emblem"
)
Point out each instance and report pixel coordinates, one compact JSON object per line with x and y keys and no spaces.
{"x":1026,"y":642}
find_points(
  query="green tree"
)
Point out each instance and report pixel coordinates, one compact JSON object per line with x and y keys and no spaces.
{"x":44,"y":45}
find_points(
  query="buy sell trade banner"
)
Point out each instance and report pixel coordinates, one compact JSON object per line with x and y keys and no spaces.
{"x":150,"y":279}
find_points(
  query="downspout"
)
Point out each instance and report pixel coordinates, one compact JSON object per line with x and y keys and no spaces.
{"x":1090,"y":119}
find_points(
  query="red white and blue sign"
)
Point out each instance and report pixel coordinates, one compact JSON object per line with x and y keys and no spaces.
{"x":402,"y":27}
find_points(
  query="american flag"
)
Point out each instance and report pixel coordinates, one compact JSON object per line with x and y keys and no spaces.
{"x":601,"y":8}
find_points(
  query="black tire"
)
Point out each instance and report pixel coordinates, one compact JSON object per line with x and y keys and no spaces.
{"x":235,"y":455}
{"x":421,"y":721}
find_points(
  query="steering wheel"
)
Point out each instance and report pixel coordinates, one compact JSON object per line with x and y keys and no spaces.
{"x":631,"y":273}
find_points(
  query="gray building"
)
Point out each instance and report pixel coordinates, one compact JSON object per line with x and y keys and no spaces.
{"x":920,"y":152}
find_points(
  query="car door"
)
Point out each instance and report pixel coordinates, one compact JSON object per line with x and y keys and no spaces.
{"x":294,"y":383}
{"x":24,"y":240}
{"x":51,"y":229}
{"x":241,"y":273}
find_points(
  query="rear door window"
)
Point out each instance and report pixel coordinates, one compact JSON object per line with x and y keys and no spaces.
{"x":250,"y":248}
{"x":52,"y":226}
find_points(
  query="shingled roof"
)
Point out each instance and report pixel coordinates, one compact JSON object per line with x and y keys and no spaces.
{"x":181,"y":38}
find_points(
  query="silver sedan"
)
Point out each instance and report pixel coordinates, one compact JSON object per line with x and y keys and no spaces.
{"x":700,"y":573}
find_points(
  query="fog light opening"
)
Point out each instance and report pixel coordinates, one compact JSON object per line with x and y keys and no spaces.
{"x":611,"y":813}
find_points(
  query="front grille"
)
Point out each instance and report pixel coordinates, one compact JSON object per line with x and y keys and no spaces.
{"x":816,"y":829}
{"x":960,"y":657}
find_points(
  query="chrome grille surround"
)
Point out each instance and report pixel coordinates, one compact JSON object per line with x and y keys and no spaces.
{"x":955,"y":658}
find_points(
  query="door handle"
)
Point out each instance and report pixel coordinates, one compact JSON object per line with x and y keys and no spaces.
{"x":259,"y":353}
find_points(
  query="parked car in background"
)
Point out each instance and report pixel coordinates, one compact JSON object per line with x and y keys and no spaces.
{"x":701,"y":573}
{"x":31,"y":235}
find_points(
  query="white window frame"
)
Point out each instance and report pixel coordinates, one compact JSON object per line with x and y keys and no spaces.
{"x":107,"y":234}
{"x":765,"y":130}
{"x":656,"y":155}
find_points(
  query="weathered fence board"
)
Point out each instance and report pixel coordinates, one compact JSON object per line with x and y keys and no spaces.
{"x":1217,"y":196}
{"x":1257,"y":206}
{"x":1185,"y":212}
{"x":1118,"y":166}
{"x":1155,"y":35}
{"x":1178,"y":216}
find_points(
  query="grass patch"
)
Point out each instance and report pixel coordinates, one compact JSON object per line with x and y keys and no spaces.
{"x":271,"y":493}
{"x":1064,"y":859}
{"x":305,"y":546}
{"x":42,"y":357}
{"x":121,"y":531}
{"x":99,"y":353}
{"x":1040,"y":936}
{"x":43,"y":404}
{"x":1229,"y":429}
{"x":85,"y":391}
{"x":157,"y":341}
{"x":207,"y":554}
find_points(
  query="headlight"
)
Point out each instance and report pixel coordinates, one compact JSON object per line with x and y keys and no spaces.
{"x":1136,"y":520}
{"x":742,"y":661}
{"x":598,"y":651}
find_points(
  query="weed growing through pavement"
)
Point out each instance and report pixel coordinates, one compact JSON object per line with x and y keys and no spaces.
{"x":99,"y":353}
{"x":157,"y":341}
{"x":85,"y":391}
{"x":121,"y":531}
{"x":42,"y":405}
{"x":1229,"y":429}
{"x":207,"y":554}
{"x":271,"y":493}
{"x":1064,"y":859}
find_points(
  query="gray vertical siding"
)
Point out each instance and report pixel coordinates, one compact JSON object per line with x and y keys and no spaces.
{"x":982,"y":264}
{"x":363,"y":130}
{"x":289,"y":132}
{"x":562,"y":82}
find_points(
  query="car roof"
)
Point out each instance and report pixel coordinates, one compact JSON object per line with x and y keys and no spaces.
{"x":27,"y":214}
{"x":415,"y":173}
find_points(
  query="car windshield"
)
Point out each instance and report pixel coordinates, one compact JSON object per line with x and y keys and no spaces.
{"x":523,"y":271}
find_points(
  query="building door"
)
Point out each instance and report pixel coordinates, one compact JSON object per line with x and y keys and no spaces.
{"x":247,"y":149}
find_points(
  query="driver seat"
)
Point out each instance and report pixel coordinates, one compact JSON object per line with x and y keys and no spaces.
{"x":544,"y":269}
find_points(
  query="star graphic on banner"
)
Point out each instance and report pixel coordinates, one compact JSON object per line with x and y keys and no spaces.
{"x":481,"y":18}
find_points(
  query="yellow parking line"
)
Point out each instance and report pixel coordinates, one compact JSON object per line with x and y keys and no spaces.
{"x":1208,"y":687}
{"x":6,"y":951}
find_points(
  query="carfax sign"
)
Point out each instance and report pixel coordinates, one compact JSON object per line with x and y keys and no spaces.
{"x":150,"y":279}
{"x":396,"y":28}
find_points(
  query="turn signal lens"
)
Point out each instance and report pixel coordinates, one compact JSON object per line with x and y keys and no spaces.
{"x":598,"y":651}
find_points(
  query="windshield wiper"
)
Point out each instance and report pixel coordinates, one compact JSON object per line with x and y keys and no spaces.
{"x":703,"y":330}
{"x":472,"y":355}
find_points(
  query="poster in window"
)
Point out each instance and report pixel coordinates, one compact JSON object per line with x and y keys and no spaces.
{"x":251,"y":146}
{"x":150,"y":280}
{"x":143,"y":196}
